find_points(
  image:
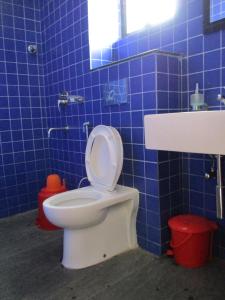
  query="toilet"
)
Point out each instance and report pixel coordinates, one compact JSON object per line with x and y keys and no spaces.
{"x":99,"y":220}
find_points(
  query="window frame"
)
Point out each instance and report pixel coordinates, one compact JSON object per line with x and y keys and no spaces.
{"x":210,"y":27}
{"x":123,"y":17}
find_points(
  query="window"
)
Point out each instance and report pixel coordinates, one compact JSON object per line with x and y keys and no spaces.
{"x":147,"y":12}
{"x":104,"y":23}
{"x":109,"y":21}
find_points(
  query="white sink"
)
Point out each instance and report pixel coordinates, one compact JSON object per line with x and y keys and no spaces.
{"x":193,"y":132}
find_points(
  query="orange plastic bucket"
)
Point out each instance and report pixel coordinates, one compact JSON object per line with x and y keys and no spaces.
{"x":53,"y":186}
{"x":191,"y":242}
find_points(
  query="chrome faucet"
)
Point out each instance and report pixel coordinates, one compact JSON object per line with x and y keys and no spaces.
{"x":65,"y":98}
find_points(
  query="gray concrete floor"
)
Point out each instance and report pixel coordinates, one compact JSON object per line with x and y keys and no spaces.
{"x":30,"y":269}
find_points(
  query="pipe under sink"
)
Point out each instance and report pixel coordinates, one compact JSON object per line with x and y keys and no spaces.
{"x":219,"y":188}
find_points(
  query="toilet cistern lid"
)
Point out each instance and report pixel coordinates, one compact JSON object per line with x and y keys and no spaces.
{"x":104,"y":157}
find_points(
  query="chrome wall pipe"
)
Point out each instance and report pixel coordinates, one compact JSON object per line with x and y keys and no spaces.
{"x":219,"y":188}
{"x":66,"y":128}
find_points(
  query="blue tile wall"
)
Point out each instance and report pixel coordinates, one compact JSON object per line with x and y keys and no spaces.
{"x":148,"y":78}
{"x":169,"y":183}
{"x":23,"y":149}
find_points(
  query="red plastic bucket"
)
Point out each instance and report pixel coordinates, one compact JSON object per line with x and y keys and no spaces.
{"x":191,"y":242}
{"x":53,"y":187}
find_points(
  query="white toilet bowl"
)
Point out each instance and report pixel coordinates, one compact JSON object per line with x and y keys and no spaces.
{"x":99,"y":221}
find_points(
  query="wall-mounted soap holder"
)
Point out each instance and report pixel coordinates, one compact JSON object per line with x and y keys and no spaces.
{"x":65,"y":98}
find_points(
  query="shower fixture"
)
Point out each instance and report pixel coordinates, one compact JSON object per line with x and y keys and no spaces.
{"x":65,"y":98}
{"x":32,"y":48}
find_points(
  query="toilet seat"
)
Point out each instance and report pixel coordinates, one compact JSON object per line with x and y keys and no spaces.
{"x":104,"y":157}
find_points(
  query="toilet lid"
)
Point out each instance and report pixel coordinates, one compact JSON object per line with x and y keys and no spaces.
{"x":104,"y":157}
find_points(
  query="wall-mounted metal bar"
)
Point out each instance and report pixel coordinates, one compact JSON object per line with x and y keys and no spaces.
{"x":219,"y":188}
{"x":66,"y":128}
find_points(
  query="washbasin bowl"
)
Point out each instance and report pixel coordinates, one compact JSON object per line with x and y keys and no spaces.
{"x":192,"y":132}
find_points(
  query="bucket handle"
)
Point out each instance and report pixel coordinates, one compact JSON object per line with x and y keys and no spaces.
{"x":182,"y":242}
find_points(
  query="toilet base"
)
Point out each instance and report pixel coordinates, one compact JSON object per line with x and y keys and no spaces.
{"x":116,"y":234}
